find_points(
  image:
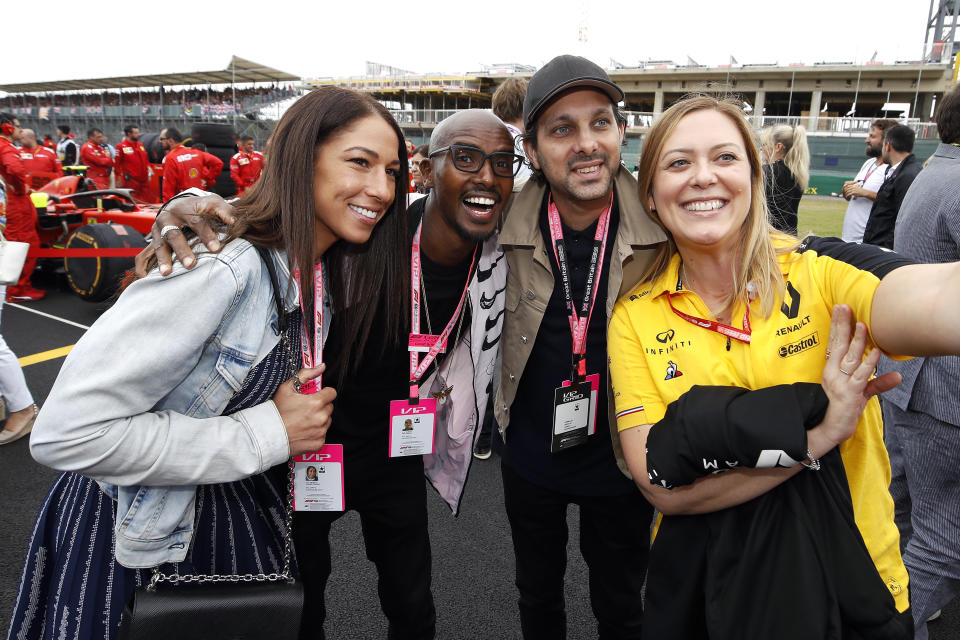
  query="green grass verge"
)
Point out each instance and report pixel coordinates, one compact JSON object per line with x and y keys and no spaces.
{"x":821,"y":217}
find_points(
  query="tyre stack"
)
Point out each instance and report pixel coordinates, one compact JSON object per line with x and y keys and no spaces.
{"x":221,"y":141}
{"x":151,"y":142}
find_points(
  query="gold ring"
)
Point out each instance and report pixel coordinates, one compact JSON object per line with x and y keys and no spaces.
{"x":846,"y":373}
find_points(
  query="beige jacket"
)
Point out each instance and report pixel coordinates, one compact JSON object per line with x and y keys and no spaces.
{"x":530,"y":281}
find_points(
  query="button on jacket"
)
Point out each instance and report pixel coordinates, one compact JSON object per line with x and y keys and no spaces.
{"x":530,"y":280}
{"x":148,"y":426}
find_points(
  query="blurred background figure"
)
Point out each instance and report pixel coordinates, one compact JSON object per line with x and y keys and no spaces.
{"x":421,"y":152}
{"x":21,"y":215}
{"x":786,"y":173}
{"x":862,"y":190}
{"x":68,"y":152}
{"x":132,"y":164}
{"x":40,"y":163}
{"x":507,"y":105}
{"x":98,"y":160}
{"x":245,"y":165}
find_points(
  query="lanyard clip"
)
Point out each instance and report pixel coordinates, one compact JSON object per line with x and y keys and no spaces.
{"x":578,"y":369}
{"x":414,"y":393}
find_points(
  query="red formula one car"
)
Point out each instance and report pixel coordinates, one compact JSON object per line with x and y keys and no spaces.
{"x":90,"y":235}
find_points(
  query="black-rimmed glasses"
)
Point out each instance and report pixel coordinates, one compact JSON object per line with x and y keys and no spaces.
{"x":470,"y":160}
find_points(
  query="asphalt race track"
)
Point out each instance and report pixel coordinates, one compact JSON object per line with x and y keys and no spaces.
{"x":473,"y":562}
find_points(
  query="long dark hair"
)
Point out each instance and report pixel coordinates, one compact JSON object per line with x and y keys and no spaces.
{"x":278,"y":211}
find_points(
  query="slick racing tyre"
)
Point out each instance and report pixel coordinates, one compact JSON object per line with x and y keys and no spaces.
{"x":96,"y":279}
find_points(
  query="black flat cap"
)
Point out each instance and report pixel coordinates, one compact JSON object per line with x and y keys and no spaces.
{"x":560,"y":74}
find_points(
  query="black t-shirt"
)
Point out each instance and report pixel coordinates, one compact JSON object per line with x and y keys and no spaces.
{"x":361,"y":414}
{"x":590,"y":468}
{"x":783,"y":196}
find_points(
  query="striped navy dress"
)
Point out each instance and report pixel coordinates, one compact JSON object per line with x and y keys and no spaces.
{"x":72,"y":586}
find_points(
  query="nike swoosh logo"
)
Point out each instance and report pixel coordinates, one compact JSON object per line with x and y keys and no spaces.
{"x":492,"y":322}
{"x":488,"y":344}
{"x":483,"y":274}
{"x":485,"y":302}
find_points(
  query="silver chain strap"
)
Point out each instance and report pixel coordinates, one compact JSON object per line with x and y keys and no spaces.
{"x":285,"y":575}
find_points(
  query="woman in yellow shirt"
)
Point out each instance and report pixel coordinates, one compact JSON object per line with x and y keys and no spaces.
{"x":732,"y":303}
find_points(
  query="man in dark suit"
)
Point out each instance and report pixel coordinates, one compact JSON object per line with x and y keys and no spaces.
{"x":902,"y":168}
{"x":922,"y":415}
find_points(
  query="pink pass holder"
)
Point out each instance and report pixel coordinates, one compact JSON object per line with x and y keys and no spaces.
{"x":318,"y":480}
{"x":594,"y":381}
{"x":412,"y":427}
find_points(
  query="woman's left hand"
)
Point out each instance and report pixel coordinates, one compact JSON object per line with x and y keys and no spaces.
{"x":847,"y":377}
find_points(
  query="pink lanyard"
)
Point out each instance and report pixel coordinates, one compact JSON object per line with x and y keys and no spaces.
{"x":312,"y":357}
{"x":579,"y":322}
{"x":418,"y":367}
{"x":869,"y":173}
{"x":741,"y":335}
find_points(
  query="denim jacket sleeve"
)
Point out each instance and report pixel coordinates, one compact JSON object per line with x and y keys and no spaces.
{"x":137,"y":401}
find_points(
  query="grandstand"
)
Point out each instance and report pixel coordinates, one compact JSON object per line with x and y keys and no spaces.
{"x":835,"y":100}
{"x":239,"y":94}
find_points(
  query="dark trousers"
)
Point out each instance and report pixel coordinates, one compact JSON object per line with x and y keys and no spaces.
{"x":614,"y":541}
{"x":390,"y":497}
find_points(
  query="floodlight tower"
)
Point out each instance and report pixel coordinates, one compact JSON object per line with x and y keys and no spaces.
{"x":939,"y":41}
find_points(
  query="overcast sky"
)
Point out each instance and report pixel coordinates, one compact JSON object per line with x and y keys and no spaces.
{"x":60,"y":40}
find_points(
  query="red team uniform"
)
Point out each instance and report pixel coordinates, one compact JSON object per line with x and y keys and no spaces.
{"x":43,"y":162}
{"x":21,"y":214}
{"x":131,"y":166}
{"x":184,"y":168}
{"x":99,"y":163}
{"x":245,"y":169}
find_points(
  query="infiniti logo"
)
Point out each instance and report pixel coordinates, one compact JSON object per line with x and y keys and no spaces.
{"x":665,"y":336}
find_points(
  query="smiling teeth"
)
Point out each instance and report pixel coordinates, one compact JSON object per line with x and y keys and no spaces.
{"x":592,"y":169}
{"x":487,"y":202}
{"x":366,"y":213}
{"x":708,"y":205}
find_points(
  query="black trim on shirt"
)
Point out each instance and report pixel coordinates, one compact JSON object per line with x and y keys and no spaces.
{"x":866,"y":257}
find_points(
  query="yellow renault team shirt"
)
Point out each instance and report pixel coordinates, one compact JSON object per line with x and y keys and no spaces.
{"x":656,"y":356}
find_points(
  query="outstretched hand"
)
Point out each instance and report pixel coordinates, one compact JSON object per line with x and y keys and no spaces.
{"x":199,"y":214}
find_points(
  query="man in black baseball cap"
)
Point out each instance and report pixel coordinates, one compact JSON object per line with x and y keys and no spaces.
{"x":554,"y":397}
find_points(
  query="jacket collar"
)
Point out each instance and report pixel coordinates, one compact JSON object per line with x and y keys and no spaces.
{"x":636,"y":228}
{"x":946,"y":150}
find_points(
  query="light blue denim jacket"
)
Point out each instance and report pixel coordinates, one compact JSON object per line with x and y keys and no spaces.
{"x":137,"y":403}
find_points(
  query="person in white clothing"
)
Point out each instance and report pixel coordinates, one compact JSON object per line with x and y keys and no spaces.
{"x":862,"y":190}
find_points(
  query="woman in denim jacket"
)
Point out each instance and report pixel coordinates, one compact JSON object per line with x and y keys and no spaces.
{"x":184,"y":427}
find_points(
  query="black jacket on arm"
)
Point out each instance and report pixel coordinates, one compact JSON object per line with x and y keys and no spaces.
{"x":790,"y":564}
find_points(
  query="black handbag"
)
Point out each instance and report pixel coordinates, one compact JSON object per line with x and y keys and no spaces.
{"x":211,"y":607}
{"x":227,"y":607}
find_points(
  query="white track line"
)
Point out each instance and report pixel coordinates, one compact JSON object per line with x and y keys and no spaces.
{"x":46,"y":315}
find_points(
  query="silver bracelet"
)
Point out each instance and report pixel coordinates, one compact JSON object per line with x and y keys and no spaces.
{"x":811,"y":463}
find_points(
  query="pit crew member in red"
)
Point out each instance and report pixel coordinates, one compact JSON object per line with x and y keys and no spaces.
{"x":183,"y":167}
{"x":245,"y":165}
{"x":132,"y":164}
{"x":38,"y":160}
{"x":97,"y":159}
{"x":21,"y":215}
